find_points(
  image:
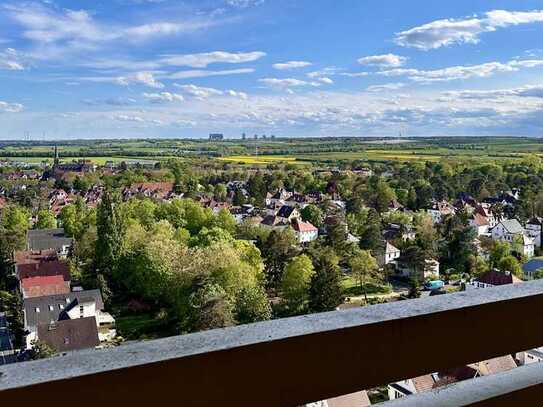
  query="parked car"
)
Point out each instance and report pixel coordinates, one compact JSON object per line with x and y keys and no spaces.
{"x":434,"y":285}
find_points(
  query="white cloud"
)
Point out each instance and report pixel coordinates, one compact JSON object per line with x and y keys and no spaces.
{"x":202,"y":60}
{"x":385,"y":87}
{"x":202,"y":93}
{"x":203,"y":74}
{"x":355,"y":74}
{"x":143,"y":78}
{"x":59,"y":31}
{"x":244,"y":3}
{"x":163,"y":97}
{"x":535,"y":91}
{"x":441,"y":33}
{"x":199,"y":91}
{"x":326,"y":80}
{"x":11,"y":107}
{"x":461,"y":72}
{"x":325,"y":72}
{"x":286,"y":83}
{"x":383,"y":61}
{"x":291,"y":65}
{"x":11,"y":60}
{"x":237,"y":94}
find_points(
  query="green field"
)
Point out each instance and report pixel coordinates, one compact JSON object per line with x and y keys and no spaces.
{"x":281,"y":151}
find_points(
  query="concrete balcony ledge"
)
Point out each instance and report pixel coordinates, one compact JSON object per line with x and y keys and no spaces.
{"x":291,"y":361}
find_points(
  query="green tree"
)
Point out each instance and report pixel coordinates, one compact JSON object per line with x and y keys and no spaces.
{"x":325,"y":293}
{"x":46,"y":219}
{"x":110,"y":231}
{"x":210,"y":306}
{"x":366,"y":270}
{"x":278,"y":249}
{"x":252,"y":305}
{"x":41,"y":350}
{"x":296,"y":282}
{"x":500,"y":249}
{"x":313,"y":214}
{"x":510,"y":264}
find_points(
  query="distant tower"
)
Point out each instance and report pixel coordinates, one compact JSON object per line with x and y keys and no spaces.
{"x":244,"y":136}
{"x":56,"y":160}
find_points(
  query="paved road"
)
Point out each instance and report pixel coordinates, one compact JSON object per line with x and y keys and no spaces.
{"x":6,"y":348}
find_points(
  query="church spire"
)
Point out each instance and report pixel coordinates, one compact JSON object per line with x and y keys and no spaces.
{"x":56,"y":161}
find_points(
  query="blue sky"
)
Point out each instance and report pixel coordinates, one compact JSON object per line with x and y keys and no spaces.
{"x":170,"y":68}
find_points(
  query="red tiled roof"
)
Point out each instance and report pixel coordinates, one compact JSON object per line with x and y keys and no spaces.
{"x":41,"y":286}
{"x":44,"y":269}
{"x":33,"y":257}
{"x":40,"y":281}
{"x":303,"y":227}
{"x":480,"y":220}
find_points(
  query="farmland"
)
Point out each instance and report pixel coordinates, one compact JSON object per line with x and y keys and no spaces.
{"x":285,"y":151}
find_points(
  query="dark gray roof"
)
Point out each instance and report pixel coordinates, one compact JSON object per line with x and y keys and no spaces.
{"x":46,"y":239}
{"x":533,"y":265}
{"x":47,"y":315}
{"x":73,"y":334}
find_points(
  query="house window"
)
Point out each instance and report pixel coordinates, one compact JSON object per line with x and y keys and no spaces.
{"x":60,"y":306}
{"x":51,"y":308}
{"x":67,"y":300}
{"x":37,"y":309}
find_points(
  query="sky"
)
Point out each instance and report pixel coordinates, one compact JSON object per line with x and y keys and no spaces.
{"x":291,"y":68}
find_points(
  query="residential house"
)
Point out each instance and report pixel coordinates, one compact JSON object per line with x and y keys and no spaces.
{"x":49,"y":239}
{"x":390,"y":255}
{"x":492,"y":278}
{"x":511,"y":231}
{"x":394,"y":231}
{"x":485,"y":210}
{"x":436,"y":380}
{"x":305,"y":231}
{"x":74,"y":305}
{"x":40,"y":286}
{"x":288,"y":213}
{"x":70,"y":335}
{"x":279,"y":197}
{"x":431,"y":269}
{"x":156,"y":190}
{"x":530,"y":356}
{"x":480,"y":224}
{"x":440,"y":210}
{"x":534,"y":227}
{"x":531,"y":267}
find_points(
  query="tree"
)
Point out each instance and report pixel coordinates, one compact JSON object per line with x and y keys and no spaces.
{"x":379,"y":195}
{"x":278,"y":249}
{"x":415,"y":259}
{"x":46,"y":219}
{"x":313,"y":214}
{"x":110,"y":228}
{"x":257,"y":189}
{"x":6,"y":268}
{"x":220,"y":192}
{"x":365,"y":269}
{"x":225,"y":221}
{"x":252,"y":305}
{"x":414,"y":288}
{"x":500,"y":249}
{"x":40,"y":350}
{"x":371,"y":237}
{"x":211,"y":307}
{"x":296,"y":282}
{"x":325,"y":293}
{"x":510,"y":264}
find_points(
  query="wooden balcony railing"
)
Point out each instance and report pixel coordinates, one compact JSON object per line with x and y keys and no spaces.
{"x":292,"y":361}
